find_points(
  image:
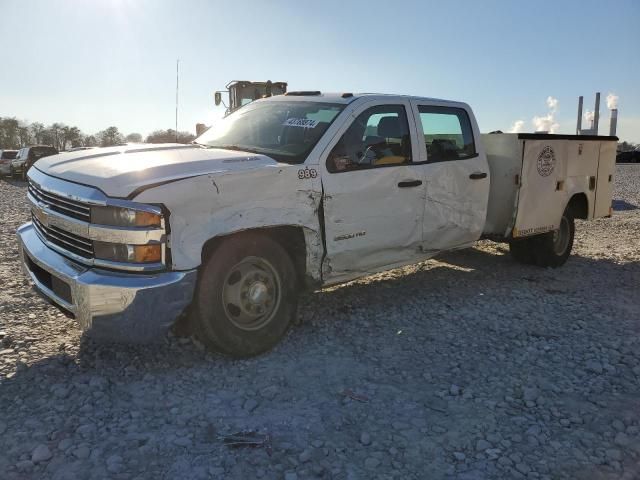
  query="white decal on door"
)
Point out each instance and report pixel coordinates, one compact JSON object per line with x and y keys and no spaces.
{"x":546,"y":161}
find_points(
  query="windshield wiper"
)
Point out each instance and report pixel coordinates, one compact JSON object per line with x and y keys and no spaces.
{"x":236,"y":148}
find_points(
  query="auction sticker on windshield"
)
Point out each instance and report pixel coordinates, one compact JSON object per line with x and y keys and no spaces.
{"x":300,"y":122}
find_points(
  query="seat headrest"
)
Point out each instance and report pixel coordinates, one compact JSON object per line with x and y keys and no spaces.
{"x":389,"y":127}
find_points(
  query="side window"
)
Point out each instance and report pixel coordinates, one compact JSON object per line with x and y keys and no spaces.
{"x":447,"y":133}
{"x":379,"y":136}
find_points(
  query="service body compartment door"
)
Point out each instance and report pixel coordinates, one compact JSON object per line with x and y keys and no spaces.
{"x":542,"y":196}
{"x":582,"y":169}
{"x":373,"y":192}
{"x":604,"y":188}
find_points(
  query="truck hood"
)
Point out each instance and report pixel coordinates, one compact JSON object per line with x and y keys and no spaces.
{"x":121,"y":171}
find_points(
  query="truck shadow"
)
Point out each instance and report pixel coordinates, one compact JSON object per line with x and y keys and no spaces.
{"x":622,"y":206}
{"x":473,"y":272}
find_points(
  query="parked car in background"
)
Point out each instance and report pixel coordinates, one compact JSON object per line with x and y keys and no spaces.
{"x":5,"y":161}
{"x":632,"y":156}
{"x":27,"y":156}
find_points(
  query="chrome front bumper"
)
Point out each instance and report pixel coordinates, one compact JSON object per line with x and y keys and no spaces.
{"x":110,"y":306}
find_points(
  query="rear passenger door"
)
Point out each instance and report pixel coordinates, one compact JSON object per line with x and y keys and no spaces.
{"x":456,"y":176}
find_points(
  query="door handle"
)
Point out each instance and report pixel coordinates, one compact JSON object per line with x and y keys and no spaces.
{"x":477,"y":175}
{"x":410,"y":183}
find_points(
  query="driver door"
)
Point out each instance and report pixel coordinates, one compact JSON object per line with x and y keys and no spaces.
{"x":373,"y":193}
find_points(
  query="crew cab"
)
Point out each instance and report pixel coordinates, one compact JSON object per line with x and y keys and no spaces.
{"x":294,"y":192}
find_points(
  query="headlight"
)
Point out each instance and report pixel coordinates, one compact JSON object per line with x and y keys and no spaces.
{"x":117,"y":252}
{"x":124,"y":217}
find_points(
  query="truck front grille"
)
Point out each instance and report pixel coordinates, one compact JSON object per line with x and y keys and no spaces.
{"x":68,"y":241}
{"x":60,"y":204}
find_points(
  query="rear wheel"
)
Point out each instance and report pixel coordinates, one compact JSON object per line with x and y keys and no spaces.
{"x":553,"y":248}
{"x":522,"y":251}
{"x":246,"y":297}
{"x":549,"y":249}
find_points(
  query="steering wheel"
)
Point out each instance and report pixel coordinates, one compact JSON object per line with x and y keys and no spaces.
{"x":371,"y":154}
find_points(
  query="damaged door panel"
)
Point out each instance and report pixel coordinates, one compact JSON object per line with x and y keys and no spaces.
{"x":456,"y":176}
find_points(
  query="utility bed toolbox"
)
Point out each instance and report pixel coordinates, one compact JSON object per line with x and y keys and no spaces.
{"x":533,"y":176}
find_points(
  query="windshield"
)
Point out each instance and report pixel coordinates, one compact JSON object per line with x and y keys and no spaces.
{"x":285,"y":131}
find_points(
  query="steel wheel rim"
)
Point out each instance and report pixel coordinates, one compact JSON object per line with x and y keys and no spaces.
{"x":251,"y":293}
{"x":561,"y":237}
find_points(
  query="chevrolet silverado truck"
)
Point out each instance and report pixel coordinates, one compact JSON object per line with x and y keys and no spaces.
{"x":291,"y":193}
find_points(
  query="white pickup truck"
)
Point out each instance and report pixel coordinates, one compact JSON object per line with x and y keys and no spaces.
{"x":288,"y":193}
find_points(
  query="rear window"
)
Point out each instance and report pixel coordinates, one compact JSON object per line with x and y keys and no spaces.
{"x":447,"y":133}
{"x":11,"y":154}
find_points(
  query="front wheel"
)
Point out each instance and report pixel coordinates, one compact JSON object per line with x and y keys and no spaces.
{"x":246,"y":297}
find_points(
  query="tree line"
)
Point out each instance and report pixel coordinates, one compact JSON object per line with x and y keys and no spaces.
{"x":627,"y":146}
{"x":16,"y":134}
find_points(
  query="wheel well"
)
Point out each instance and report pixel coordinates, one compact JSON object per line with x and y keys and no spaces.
{"x":291,"y":238}
{"x":579,"y":206}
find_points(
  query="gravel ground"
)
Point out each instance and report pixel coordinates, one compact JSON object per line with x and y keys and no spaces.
{"x":468,"y":366}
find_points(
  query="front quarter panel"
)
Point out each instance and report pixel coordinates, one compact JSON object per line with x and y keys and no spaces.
{"x":218,"y":204}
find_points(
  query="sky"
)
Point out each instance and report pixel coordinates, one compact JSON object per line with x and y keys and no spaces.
{"x":97,"y":63}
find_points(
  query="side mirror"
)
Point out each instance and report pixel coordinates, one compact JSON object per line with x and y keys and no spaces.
{"x":338,"y":162}
{"x":218,"y":98}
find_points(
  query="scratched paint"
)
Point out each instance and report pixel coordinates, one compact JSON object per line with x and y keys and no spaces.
{"x":219,"y":204}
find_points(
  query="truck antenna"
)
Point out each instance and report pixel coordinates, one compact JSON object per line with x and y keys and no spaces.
{"x":177,"y":78}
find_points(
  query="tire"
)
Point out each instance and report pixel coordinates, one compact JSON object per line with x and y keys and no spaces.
{"x":522,"y":251}
{"x":553,"y":249}
{"x":246,"y":297}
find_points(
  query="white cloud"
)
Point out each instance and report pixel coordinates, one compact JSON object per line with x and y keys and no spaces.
{"x":612,"y":101}
{"x":517,"y":126}
{"x":589,"y":116}
{"x":545,"y":124}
